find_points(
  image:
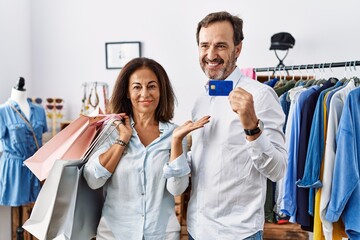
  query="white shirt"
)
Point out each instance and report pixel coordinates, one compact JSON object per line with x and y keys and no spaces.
{"x":138,"y":205}
{"x":228,"y":173}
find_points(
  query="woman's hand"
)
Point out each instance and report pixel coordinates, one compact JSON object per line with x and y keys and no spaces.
{"x":189,"y":126}
{"x":124,"y":128}
{"x":180,"y":132}
{"x":112,"y":156}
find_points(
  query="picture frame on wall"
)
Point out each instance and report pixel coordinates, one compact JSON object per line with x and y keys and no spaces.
{"x":119,"y":53}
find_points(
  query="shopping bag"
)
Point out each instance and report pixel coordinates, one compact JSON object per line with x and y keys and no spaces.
{"x":66,"y":207}
{"x":70,"y":143}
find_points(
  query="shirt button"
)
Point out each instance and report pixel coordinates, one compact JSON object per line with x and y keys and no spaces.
{"x":143,"y":194}
{"x":142,"y":215}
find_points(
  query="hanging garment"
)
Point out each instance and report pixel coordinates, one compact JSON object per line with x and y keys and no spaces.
{"x":315,"y":150}
{"x":249,"y":72}
{"x":345,"y":193}
{"x":307,"y":113}
{"x":334,"y":113}
{"x":292,"y":142}
{"x":18,"y":185}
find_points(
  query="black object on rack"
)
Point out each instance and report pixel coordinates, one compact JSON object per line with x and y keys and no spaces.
{"x":309,"y":66}
{"x":282,"y":41}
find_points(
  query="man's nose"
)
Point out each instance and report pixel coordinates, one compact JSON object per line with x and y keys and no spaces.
{"x":212,"y":53}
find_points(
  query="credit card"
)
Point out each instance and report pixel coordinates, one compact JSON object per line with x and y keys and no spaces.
{"x":220,"y":87}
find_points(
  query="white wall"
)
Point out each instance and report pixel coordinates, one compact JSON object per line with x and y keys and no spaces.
{"x":68,"y":40}
{"x":15,"y":47}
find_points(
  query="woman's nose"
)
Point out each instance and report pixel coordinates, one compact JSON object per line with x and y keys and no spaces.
{"x":144,"y":92}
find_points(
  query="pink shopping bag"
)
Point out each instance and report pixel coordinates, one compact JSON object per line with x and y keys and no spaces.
{"x":71,"y":143}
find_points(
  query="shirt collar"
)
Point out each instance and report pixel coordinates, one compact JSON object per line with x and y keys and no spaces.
{"x":16,"y":105}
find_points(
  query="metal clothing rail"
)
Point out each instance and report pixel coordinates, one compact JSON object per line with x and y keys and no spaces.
{"x":309,"y":66}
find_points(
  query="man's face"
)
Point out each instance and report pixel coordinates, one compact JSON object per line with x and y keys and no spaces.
{"x":217,"y":52}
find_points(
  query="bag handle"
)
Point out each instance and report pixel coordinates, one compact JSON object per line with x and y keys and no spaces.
{"x":27,"y":122}
{"x":113,"y":118}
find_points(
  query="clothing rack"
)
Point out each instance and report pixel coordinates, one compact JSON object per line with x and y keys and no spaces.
{"x":309,"y":66}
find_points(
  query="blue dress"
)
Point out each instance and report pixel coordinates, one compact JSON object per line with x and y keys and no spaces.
{"x":18,"y":185}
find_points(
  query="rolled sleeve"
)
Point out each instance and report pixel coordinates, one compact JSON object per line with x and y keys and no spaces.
{"x":94,"y":173}
{"x":177,"y":168}
{"x":100,"y":171}
{"x":259,"y":147}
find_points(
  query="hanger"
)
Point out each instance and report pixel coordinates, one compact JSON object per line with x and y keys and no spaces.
{"x":309,"y":82}
{"x":355,"y":78}
{"x":293,"y":73}
{"x":344,"y":79}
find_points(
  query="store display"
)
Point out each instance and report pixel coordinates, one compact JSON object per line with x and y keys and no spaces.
{"x":54,"y":107}
{"x":95,"y":95}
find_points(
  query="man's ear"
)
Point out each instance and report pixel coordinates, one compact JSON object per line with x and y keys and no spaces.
{"x":238,"y":50}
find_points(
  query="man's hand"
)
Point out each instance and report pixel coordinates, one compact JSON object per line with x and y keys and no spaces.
{"x":242,"y":103}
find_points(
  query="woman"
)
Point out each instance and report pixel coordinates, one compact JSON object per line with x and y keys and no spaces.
{"x":134,"y":165}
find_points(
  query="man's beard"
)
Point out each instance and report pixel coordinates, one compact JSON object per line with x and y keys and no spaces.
{"x":222,"y":73}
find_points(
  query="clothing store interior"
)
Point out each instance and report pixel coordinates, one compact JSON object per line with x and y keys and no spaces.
{"x":60,"y":60}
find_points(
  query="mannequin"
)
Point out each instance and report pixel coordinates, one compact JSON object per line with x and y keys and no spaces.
{"x":18,"y":94}
{"x":22,"y":125}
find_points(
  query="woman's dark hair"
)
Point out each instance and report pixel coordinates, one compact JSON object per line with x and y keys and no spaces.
{"x":119,"y":101}
{"x":236,"y":22}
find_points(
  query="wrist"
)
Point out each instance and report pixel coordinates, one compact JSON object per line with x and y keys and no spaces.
{"x":122,"y":142}
{"x":124,"y":138}
{"x":253,"y":137}
{"x":255,"y":131}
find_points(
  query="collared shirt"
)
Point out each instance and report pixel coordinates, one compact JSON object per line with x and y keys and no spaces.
{"x":311,"y":177}
{"x":138,"y":205}
{"x":335,"y":110}
{"x":292,"y":143}
{"x":345,"y":190}
{"x":306,"y":116}
{"x":229,"y":174}
{"x":18,"y":185}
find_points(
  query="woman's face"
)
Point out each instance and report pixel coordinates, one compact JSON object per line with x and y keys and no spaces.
{"x":144,"y":91}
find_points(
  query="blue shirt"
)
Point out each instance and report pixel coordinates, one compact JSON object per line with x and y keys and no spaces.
{"x":18,"y":185}
{"x":285,"y":105}
{"x":290,"y":194}
{"x":307,"y":113}
{"x":272,"y":82}
{"x":315,"y":151}
{"x":138,"y":202}
{"x":345,"y":193}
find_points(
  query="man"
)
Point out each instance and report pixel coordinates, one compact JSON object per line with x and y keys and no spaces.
{"x":238,"y":149}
